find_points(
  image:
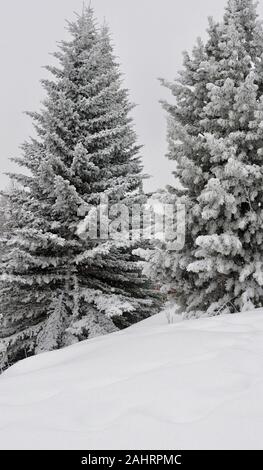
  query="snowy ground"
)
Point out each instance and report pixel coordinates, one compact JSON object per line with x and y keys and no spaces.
{"x":194,"y":384}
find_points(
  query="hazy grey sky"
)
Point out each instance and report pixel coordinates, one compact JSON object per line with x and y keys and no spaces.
{"x":149,"y":37}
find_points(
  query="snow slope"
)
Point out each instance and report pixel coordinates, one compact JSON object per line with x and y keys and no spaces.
{"x":195,"y":384}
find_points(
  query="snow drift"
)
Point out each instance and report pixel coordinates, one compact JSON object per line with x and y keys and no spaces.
{"x":195,"y":384}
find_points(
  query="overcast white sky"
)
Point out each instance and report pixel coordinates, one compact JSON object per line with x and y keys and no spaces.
{"x":149,"y":37}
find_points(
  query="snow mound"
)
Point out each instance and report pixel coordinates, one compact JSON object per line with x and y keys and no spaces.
{"x":195,"y":384}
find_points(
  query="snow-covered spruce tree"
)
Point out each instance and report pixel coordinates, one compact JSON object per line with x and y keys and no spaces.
{"x":57,"y":287}
{"x":3,"y":220}
{"x":215,"y":137}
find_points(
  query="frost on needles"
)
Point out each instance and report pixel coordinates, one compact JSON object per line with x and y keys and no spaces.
{"x":215,"y":138}
{"x":58,"y":288}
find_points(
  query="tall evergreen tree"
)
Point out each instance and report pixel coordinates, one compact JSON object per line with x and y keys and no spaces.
{"x":57,"y":287}
{"x":3,"y":220}
{"x":215,"y":138}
